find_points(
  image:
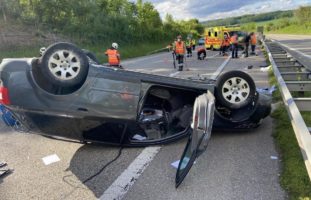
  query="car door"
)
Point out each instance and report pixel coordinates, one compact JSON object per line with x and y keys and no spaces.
{"x":202,"y":120}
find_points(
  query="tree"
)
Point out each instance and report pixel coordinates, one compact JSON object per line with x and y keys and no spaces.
{"x":303,"y":14}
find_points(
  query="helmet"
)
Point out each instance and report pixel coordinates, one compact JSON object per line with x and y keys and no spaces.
{"x":115,"y":45}
{"x":42,"y":50}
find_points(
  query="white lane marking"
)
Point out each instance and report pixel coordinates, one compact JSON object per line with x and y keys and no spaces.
{"x":173,"y":74}
{"x":219,"y":70}
{"x":213,"y":56}
{"x":123,"y":183}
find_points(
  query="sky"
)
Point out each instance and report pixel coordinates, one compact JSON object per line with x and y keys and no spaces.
{"x":216,"y":9}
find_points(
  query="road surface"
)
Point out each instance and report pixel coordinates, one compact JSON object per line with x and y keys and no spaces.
{"x":235,"y":166}
{"x":300,"y":43}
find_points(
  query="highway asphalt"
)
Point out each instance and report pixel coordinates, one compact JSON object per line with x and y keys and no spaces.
{"x":301,"y":43}
{"x":236,"y":165}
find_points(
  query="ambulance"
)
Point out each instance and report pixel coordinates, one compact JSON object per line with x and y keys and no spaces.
{"x":215,"y":35}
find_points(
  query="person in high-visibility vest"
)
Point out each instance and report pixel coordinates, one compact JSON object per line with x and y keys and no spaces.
{"x":179,"y":49}
{"x":234,"y":45}
{"x":246,"y":42}
{"x":224,"y":45}
{"x":201,"y":53}
{"x":189,"y":47}
{"x":113,"y":56}
{"x":253,"y":42}
{"x":193,"y":44}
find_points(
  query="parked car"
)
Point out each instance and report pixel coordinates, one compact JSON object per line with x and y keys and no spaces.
{"x":66,"y":93}
{"x":201,"y":41}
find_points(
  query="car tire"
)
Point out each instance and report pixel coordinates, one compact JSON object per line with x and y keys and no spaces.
{"x":235,"y":90}
{"x":64,"y":64}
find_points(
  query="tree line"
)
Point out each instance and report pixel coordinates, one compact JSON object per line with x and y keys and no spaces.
{"x":99,"y":21}
{"x":249,"y":18}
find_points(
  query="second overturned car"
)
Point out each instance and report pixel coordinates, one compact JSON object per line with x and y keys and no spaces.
{"x":66,"y":93}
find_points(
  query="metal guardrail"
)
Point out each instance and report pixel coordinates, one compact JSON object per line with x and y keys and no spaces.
{"x":293,"y":76}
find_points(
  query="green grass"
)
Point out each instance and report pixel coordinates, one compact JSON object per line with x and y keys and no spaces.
{"x":294,"y":177}
{"x":20,"y":52}
{"x":126,"y":51}
{"x":293,"y":29}
{"x":267,"y":22}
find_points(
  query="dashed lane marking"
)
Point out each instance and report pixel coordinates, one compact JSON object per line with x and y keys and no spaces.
{"x":173,"y":74}
{"x":219,"y":69}
{"x":123,"y":183}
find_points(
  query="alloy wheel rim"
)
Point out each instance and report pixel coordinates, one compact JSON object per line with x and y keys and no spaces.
{"x":235,"y":90}
{"x":64,"y":65}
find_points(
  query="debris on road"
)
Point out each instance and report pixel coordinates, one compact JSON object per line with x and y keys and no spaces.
{"x":274,"y":157}
{"x":2,"y":164}
{"x":265,"y":69}
{"x":266,"y":90}
{"x":50,"y":159}
{"x":4,"y":172}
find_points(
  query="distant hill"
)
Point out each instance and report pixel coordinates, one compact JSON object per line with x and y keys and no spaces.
{"x":249,"y":18}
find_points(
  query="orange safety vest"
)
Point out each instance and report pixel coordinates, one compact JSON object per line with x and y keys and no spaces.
{"x":234,"y":39}
{"x":225,"y":43}
{"x":113,"y":58}
{"x":253,"y":39}
{"x":179,"y":48}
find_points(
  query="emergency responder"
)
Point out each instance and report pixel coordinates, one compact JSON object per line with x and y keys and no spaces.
{"x":253,"y":42}
{"x":189,"y":47}
{"x":113,"y":56}
{"x":201,"y":53}
{"x":224,"y":45}
{"x":193,"y":44}
{"x":246,"y":40}
{"x":234,"y":45}
{"x":179,"y":50}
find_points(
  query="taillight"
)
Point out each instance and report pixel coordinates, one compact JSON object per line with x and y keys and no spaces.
{"x":4,"y":96}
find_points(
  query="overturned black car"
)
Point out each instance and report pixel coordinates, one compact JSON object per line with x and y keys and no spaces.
{"x":66,"y":93}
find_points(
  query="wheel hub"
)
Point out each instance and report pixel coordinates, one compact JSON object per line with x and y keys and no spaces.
{"x":64,"y":65}
{"x":235,"y":90}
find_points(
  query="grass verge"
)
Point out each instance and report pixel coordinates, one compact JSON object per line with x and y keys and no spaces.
{"x":293,"y":29}
{"x":294,"y":177}
{"x":126,"y":51}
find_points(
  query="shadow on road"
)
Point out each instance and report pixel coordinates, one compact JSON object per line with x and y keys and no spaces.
{"x":89,"y":159}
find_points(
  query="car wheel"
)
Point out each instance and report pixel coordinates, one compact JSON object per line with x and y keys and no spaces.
{"x":235,"y":89}
{"x":64,"y":64}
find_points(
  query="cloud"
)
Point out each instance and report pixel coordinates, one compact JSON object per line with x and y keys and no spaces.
{"x":211,"y":9}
